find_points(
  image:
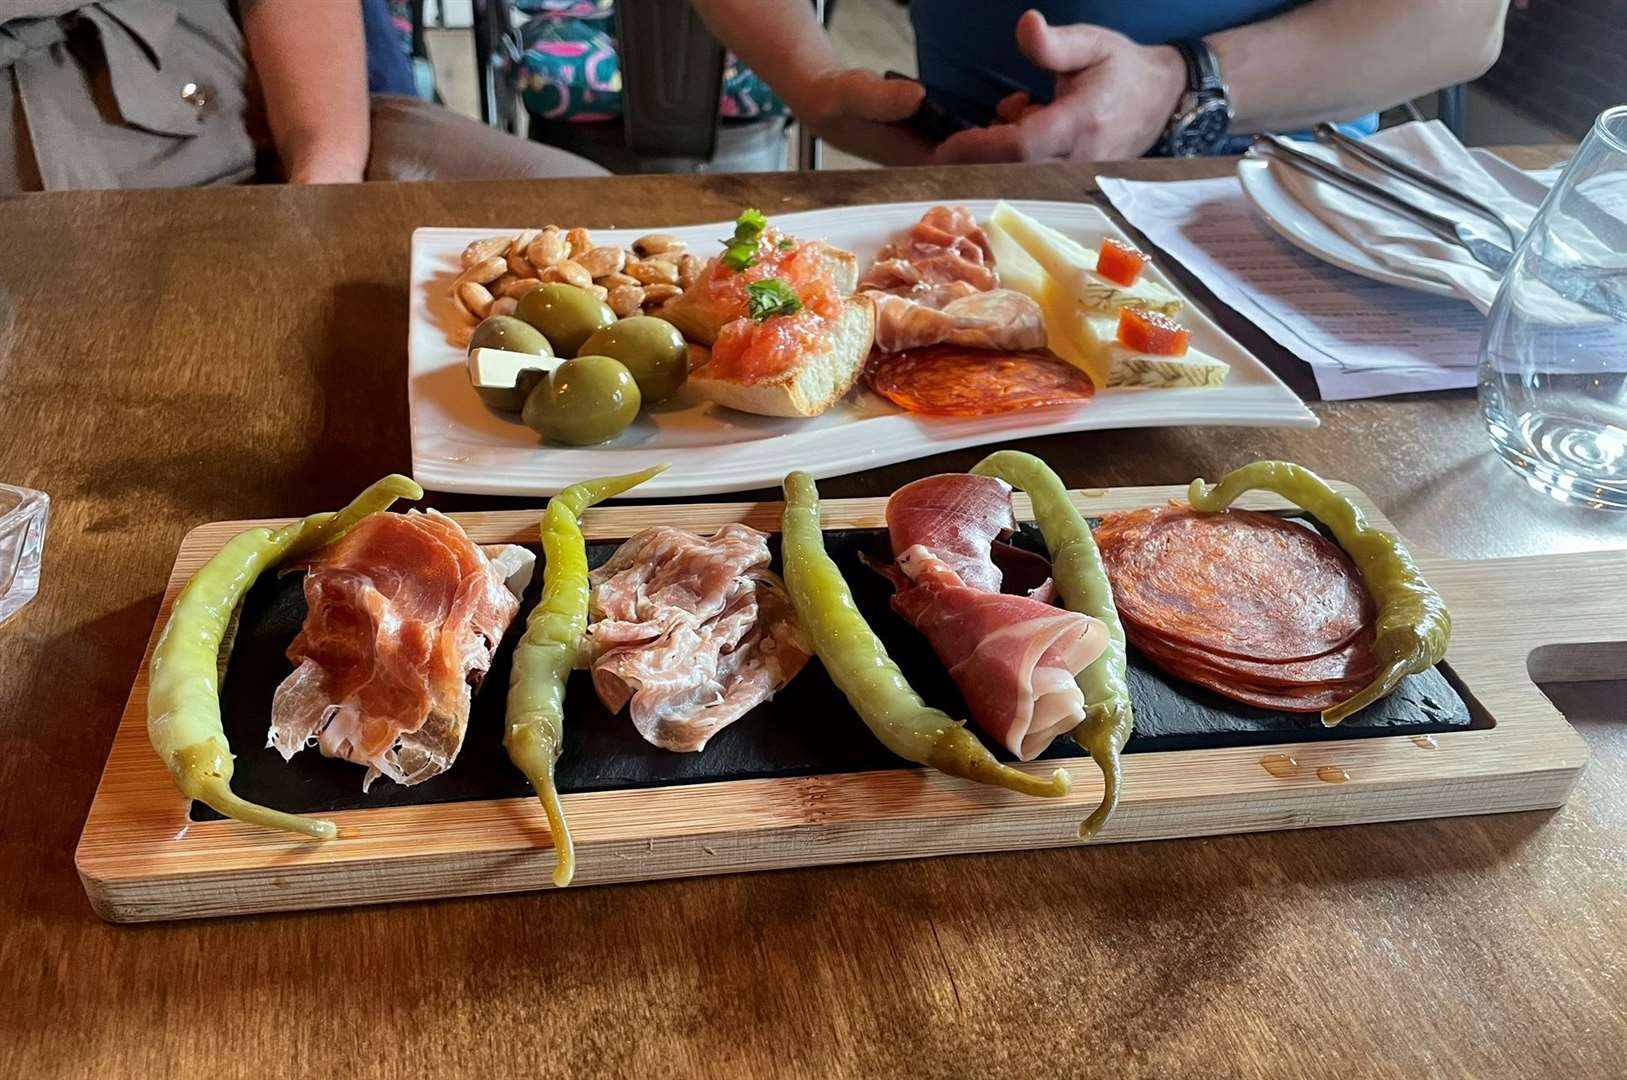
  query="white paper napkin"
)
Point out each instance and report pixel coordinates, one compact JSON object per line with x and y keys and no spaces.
{"x":1396,"y":242}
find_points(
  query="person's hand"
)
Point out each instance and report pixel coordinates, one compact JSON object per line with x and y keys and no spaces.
{"x":863,"y":113}
{"x":1113,"y":99}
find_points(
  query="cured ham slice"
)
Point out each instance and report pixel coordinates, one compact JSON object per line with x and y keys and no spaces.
{"x":938,"y":285}
{"x":957,"y":517}
{"x":1014,"y":658}
{"x":690,"y":633}
{"x":405,"y":612}
{"x":945,"y":245}
{"x":998,"y":319}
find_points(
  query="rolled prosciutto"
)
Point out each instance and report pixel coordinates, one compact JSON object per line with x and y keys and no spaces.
{"x":1015,"y":658}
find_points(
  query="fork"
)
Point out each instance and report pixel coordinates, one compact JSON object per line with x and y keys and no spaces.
{"x":1389,"y":163}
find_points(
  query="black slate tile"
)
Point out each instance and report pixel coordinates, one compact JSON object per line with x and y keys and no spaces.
{"x":807,"y":730}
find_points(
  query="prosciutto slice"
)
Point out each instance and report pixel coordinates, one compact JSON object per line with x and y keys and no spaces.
{"x":690,"y":633}
{"x":405,"y":612}
{"x":1000,"y":319}
{"x":938,"y":285}
{"x":945,"y":245}
{"x":957,"y":517}
{"x":1015,"y":658}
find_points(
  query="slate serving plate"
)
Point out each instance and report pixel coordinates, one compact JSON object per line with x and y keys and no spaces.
{"x":808,"y":729}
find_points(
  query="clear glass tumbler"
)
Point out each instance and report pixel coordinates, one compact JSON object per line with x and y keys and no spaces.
{"x":23,"y":513}
{"x":1553,"y":361}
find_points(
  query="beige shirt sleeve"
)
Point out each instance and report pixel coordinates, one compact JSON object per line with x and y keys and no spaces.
{"x":124,"y":93}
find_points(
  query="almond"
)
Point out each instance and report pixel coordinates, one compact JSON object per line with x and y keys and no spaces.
{"x":602,"y":261}
{"x":481,"y":250}
{"x":475,"y":298}
{"x":518,"y":287}
{"x":656,"y":243}
{"x":571,"y":273}
{"x":626,"y":300}
{"x":522,"y":240}
{"x":548,"y":249}
{"x":486,"y":270}
{"x":689,"y":270}
{"x":653,"y":272}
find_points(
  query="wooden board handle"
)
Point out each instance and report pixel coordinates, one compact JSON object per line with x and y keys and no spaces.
{"x":1560,"y":618}
{"x":1588,"y":591}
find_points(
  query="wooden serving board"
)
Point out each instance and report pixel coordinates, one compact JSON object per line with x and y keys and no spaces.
{"x":142,"y":858}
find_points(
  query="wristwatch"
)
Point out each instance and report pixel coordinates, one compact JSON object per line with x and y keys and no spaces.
{"x":1203,"y":116}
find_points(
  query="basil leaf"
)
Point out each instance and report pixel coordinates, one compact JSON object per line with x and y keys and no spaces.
{"x":770,"y":297}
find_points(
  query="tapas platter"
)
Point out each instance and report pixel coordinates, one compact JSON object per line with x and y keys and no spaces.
{"x":369,"y":706}
{"x":1020,"y":340}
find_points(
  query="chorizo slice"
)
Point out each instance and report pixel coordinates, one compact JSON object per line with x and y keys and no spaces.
{"x":1239,"y":584}
{"x":948,"y":380}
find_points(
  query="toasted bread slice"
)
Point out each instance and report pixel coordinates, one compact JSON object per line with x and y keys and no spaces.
{"x":701,"y":322}
{"x":818,"y":380}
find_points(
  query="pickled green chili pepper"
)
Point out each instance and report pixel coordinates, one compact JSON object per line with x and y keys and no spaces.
{"x":1081,"y":578}
{"x":183,"y":698}
{"x":1413,"y":627}
{"x":859,"y":665}
{"x":543,"y":659}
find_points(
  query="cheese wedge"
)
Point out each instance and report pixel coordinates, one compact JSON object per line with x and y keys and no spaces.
{"x":504,"y":379}
{"x":1077,"y":330}
{"x":1122,"y":366}
{"x":1074,"y":266}
{"x":1070,"y":332}
{"x":1017,"y":268}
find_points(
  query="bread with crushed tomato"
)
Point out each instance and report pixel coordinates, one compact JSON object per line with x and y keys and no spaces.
{"x":700,"y":321}
{"x":819,"y":379}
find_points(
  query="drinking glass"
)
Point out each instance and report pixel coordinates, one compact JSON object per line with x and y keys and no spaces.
{"x":1553,"y":360}
{"x":22,"y":541}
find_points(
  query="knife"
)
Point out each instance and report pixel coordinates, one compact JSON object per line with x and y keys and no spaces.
{"x":1384,"y":162}
{"x":1485,"y":252}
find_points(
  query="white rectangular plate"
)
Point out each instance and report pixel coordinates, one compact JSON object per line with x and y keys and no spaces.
{"x":460,"y":445}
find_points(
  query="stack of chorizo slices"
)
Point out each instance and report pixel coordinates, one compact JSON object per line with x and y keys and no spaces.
{"x":1260,"y":609}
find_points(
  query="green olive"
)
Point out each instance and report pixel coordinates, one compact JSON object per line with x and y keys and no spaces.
{"x":586,"y":400}
{"x":566,"y":315}
{"x":652,"y":349}
{"x":514,"y":335}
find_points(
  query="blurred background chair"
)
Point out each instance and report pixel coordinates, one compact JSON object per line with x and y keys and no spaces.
{"x":635,"y":85}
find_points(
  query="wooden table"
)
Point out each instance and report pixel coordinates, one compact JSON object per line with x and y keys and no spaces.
{"x":168,"y":358}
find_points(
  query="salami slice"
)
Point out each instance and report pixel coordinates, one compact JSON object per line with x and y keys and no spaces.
{"x":949,"y":380}
{"x":1238,"y":583}
{"x":1306,"y":700}
{"x":1351,"y":665}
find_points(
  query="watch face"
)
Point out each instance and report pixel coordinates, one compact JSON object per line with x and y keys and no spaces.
{"x":1201,"y":129}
